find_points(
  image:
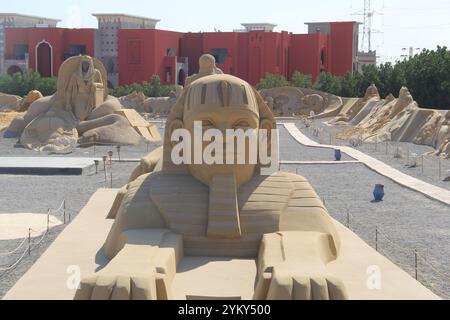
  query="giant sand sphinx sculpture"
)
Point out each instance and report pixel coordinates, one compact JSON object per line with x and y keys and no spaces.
{"x":232,"y":211}
{"x":81,"y":111}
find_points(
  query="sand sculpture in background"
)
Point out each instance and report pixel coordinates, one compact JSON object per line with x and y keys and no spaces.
{"x":207,"y":67}
{"x":217,"y":210}
{"x":350,"y":110}
{"x":300,"y":102}
{"x":81,"y":111}
{"x":10,"y":102}
{"x":377,"y":120}
{"x":154,"y":106}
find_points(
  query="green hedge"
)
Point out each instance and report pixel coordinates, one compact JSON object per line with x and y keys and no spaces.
{"x":153,"y":88}
{"x":427,"y":76}
{"x":20,"y":84}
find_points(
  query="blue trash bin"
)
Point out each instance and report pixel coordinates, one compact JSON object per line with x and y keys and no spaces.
{"x":378,"y":192}
{"x":337,"y":155}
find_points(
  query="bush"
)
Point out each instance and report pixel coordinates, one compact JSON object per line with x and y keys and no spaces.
{"x":153,"y":88}
{"x":301,"y":80}
{"x":273,"y":81}
{"x":427,"y":76}
{"x":20,"y":84}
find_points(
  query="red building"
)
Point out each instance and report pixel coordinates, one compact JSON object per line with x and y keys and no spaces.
{"x":47,"y":48}
{"x":133,"y":50}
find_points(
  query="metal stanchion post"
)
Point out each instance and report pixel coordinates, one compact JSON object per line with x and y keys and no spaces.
{"x":104,"y":167}
{"x":423,"y":158}
{"x":376,"y":238}
{"x":118,"y":151}
{"x":29,"y":241}
{"x":415,"y":263}
{"x":64,"y":211}
{"x":110,"y":153}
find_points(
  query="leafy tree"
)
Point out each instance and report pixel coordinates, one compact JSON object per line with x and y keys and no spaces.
{"x":152,"y":88}
{"x":301,"y":80}
{"x":328,"y":83}
{"x":273,"y":81}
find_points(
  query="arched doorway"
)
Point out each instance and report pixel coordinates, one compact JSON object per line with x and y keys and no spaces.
{"x":13,"y":70}
{"x":44,"y":59}
{"x":181,"y":77}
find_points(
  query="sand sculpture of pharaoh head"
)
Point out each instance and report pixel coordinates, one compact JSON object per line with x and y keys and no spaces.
{"x":207,"y":66}
{"x":220,"y":102}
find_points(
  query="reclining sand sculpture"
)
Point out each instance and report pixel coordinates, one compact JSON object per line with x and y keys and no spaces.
{"x":231,"y":211}
{"x":80,"y":111}
{"x":9,"y":102}
{"x":156,"y":106}
{"x":291,"y":101}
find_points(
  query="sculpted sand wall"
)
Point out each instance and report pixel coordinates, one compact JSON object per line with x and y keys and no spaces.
{"x":394,"y":119}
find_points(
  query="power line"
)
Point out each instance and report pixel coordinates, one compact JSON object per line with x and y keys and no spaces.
{"x":368,"y":31}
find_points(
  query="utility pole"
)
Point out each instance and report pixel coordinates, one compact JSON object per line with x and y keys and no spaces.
{"x":368,"y":14}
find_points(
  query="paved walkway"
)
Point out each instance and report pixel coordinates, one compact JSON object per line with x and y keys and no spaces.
{"x":380,"y":167}
{"x":317,"y":162}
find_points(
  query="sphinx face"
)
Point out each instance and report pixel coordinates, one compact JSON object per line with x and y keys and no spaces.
{"x":224,"y":114}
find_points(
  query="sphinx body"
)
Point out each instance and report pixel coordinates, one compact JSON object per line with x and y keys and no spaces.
{"x":219,"y":210}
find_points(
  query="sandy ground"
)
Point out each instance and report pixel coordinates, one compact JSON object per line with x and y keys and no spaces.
{"x":7,"y":117}
{"x":434,"y":169}
{"x":16,"y":226}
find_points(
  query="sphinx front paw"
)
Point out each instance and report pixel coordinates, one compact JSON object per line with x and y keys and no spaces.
{"x":298,"y":286}
{"x":112,"y":287}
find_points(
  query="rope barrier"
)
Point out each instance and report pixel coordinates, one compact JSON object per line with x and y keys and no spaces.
{"x":4,"y":254}
{"x":15,"y":263}
{"x":409,"y":251}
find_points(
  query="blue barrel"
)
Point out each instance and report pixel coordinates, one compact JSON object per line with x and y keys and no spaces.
{"x":337,"y":155}
{"x":378,"y":192}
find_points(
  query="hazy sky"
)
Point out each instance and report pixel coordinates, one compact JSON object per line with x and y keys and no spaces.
{"x":397,"y":23}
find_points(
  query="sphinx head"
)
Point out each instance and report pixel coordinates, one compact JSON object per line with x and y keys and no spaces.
{"x":223,"y":118}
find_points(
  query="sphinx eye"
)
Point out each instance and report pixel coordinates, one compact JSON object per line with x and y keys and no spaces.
{"x":241,"y":124}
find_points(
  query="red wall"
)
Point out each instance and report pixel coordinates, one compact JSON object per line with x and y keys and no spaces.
{"x":143,"y":52}
{"x":342,"y":48}
{"x":58,"y":38}
{"x":191,"y":46}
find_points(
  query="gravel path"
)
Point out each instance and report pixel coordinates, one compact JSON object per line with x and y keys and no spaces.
{"x":406,"y":219}
{"x":385,"y":152}
{"x":292,"y":150}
